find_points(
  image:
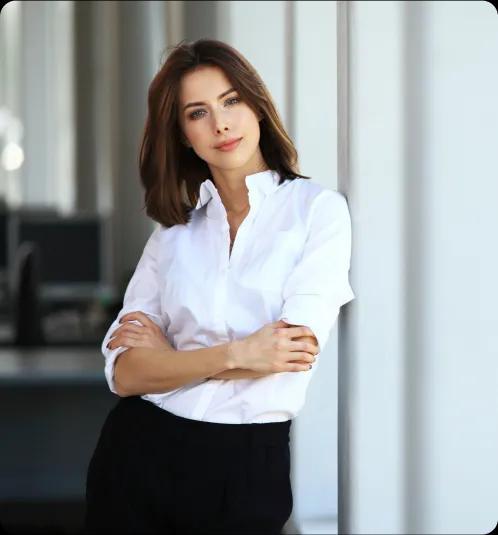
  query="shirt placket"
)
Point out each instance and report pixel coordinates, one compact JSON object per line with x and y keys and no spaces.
{"x":227,"y":262}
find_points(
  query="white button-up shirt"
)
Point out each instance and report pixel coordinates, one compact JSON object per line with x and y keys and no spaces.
{"x":290,"y":260}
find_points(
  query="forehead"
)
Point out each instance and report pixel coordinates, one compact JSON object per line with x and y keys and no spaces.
{"x":204,"y":83}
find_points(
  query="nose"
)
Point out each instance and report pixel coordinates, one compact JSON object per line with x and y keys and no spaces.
{"x":220,"y":122}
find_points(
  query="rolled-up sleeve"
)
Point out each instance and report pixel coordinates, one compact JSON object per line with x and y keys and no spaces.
{"x":319,"y":284}
{"x":142,"y":294}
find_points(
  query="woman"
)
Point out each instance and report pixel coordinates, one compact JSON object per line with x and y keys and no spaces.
{"x":235,"y":293}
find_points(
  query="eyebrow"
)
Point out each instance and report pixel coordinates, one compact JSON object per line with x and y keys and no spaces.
{"x":201,"y":103}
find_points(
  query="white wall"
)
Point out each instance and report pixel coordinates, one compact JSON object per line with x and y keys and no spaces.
{"x":419,"y":433}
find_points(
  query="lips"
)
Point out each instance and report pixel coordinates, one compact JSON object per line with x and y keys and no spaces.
{"x":229,"y":143}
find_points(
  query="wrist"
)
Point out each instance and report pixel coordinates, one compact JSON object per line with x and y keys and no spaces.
{"x":233,"y":354}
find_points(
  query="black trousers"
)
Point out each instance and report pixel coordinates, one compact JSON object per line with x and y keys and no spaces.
{"x":155,"y":472}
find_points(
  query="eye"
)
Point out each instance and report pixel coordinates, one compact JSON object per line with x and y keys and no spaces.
{"x":195,"y":114}
{"x":233,"y":99}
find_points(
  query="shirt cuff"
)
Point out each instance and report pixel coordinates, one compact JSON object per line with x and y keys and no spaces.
{"x":111,"y":355}
{"x":110,"y":360}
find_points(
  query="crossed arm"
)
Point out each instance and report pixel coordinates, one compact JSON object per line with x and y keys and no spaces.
{"x":158,"y":339}
{"x":239,"y":373}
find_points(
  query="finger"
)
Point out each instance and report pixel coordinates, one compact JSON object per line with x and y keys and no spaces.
{"x":138,"y":315}
{"x":131,"y":328}
{"x":294,"y":331}
{"x":306,"y":346}
{"x":304,"y":330}
{"x":114,"y":343}
{"x":298,"y":367}
{"x":128,"y":340}
{"x":302,"y":356}
{"x":117,"y":331}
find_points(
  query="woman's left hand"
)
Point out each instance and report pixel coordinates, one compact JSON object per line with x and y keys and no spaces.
{"x":147,"y":334}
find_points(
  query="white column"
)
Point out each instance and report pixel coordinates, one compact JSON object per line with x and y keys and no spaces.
{"x":142,"y":42}
{"x":60,"y":187}
{"x":371,"y":373}
{"x":314,"y":107}
{"x":35,"y":103}
{"x":452,"y":289}
{"x":107,"y":93}
{"x":418,"y":406}
{"x":175,"y":21}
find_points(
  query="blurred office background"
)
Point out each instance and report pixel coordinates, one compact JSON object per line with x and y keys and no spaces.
{"x":391,"y":103}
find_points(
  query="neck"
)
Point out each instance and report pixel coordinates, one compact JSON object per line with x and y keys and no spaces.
{"x":231,"y":186}
{"x":238,"y":213}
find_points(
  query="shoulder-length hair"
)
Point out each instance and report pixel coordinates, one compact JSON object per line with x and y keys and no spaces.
{"x":170,"y":172}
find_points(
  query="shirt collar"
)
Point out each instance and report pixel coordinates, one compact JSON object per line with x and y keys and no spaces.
{"x":259,"y":185}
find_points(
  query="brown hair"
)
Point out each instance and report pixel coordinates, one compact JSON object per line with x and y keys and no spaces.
{"x":170,"y":172}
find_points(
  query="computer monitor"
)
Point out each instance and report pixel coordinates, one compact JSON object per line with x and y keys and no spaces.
{"x":73,"y":255}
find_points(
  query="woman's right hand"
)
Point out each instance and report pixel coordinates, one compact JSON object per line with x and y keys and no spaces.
{"x":272,"y":350}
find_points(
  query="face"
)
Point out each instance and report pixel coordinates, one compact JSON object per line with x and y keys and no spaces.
{"x":223,"y":115}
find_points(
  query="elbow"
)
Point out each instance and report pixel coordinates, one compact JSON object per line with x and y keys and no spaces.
{"x":120,"y":386}
{"x":120,"y":391}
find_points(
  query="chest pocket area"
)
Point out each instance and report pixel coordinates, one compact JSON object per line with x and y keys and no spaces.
{"x":273,"y":261}
{"x":183,"y":276}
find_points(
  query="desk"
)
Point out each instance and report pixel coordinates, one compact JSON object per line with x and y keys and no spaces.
{"x":60,"y":364}
{"x":53,"y":403}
